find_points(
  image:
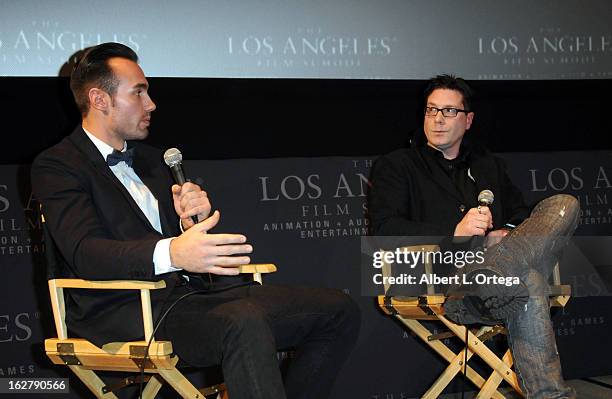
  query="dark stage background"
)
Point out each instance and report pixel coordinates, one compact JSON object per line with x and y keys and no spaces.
{"x":261,"y":118}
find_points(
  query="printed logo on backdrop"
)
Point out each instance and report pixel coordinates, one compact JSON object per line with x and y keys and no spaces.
{"x":15,"y":329}
{"x":586,"y":175}
{"x":47,"y":42}
{"x":325,"y":203}
{"x":310,"y":48}
{"x":569,"y":326}
{"x":17,"y":370}
{"x":547,"y":53}
{"x":18,"y":224}
{"x":591,"y":185}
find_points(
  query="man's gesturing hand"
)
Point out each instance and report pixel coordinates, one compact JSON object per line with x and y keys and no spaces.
{"x":190,"y":200}
{"x":476,"y":222}
{"x":197,"y":251}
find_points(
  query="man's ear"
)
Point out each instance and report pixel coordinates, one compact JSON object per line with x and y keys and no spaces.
{"x":469,"y":118}
{"x":99,"y":100}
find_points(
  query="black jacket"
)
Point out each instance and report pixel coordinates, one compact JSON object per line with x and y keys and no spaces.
{"x":408,"y":198}
{"x":102,"y":234}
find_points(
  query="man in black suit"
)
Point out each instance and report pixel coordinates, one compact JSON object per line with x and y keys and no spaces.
{"x":431,"y":189}
{"x":113,"y":213}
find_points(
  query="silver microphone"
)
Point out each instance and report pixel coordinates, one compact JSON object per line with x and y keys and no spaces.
{"x":174,"y":159}
{"x":172,"y":156}
{"x":485,"y":198}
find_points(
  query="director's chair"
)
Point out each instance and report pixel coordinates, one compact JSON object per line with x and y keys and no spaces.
{"x":84,"y":358}
{"x":412,"y":310}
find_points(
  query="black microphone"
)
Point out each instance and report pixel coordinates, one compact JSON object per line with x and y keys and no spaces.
{"x":174,"y":159}
{"x":485,"y":198}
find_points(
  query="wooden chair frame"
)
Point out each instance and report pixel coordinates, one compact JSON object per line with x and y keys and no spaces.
{"x":410,"y":311}
{"x":84,"y":358}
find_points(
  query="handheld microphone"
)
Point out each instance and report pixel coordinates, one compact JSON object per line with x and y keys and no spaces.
{"x":174,"y":159}
{"x":485,"y":198}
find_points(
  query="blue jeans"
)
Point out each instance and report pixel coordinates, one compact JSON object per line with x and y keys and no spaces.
{"x":530,"y":252}
{"x":242,"y":328}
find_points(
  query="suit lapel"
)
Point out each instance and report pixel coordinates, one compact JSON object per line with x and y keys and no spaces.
{"x":155,"y":178}
{"x":85,"y":145}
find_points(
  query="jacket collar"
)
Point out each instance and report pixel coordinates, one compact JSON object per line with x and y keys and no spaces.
{"x":149,"y":174}
{"x":470,"y":153}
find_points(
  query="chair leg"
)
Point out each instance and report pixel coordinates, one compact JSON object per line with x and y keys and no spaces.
{"x":484,"y":352}
{"x":422,"y":332}
{"x":495,"y":379}
{"x":180,"y":384}
{"x":447,"y":376}
{"x":455,"y":366}
{"x":152,"y":388}
{"x":92,"y":381}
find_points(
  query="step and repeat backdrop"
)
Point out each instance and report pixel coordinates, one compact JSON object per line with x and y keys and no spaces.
{"x":396,"y":39}
{"x":307,"y":215}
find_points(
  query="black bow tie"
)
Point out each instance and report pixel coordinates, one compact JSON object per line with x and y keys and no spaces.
{"x":115,"y":157}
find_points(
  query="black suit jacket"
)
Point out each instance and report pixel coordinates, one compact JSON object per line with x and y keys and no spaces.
{"x":101,"y":233}
{"x":407,"y":198}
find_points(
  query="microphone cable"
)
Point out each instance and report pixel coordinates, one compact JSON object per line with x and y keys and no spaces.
{"x":161,"y":318}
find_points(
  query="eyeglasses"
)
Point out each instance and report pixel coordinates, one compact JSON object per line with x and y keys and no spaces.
{"x":447,"y":112}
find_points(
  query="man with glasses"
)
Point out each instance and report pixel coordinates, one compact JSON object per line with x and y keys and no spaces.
{"x":432,"y":189}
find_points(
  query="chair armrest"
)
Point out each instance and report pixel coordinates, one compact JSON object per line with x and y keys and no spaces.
{"x":109,"y":285}
{"x":56,"y":291}
{"x":561,"y":290}
{"x":258,"y":268}
{"x":148,"y":285}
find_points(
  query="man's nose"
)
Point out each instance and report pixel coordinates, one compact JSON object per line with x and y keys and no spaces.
{"x":439,"y":117}
{"x":150,"y":105}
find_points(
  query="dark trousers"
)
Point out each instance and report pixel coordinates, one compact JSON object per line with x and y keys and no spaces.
{"x":242,"y":328}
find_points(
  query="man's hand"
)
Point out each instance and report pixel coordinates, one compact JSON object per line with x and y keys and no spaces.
{"x":476,"y":222}
{"x":495,"y":237}
{"x":190,"y":200}
{"x":197,"y":251}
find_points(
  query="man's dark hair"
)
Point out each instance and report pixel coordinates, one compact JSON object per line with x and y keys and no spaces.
{"x":450,"y":82}
{"x":92,"y":70}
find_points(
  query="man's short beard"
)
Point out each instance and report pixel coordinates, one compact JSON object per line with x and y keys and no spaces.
{"x":136,"y":136}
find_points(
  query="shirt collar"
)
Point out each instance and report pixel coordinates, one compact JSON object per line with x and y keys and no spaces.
{"x":104,"y":148}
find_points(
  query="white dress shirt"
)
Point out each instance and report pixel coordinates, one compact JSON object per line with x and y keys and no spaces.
{"x":146,"y":202}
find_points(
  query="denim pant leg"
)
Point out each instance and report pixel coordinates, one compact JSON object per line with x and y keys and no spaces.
{"x":534,"y":350}
{"x":537,"y":242}
{"x":529,"y":252}
{"x":541,"y":236}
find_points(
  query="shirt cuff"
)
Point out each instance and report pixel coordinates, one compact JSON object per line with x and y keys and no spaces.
{"x":161,"y":257}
